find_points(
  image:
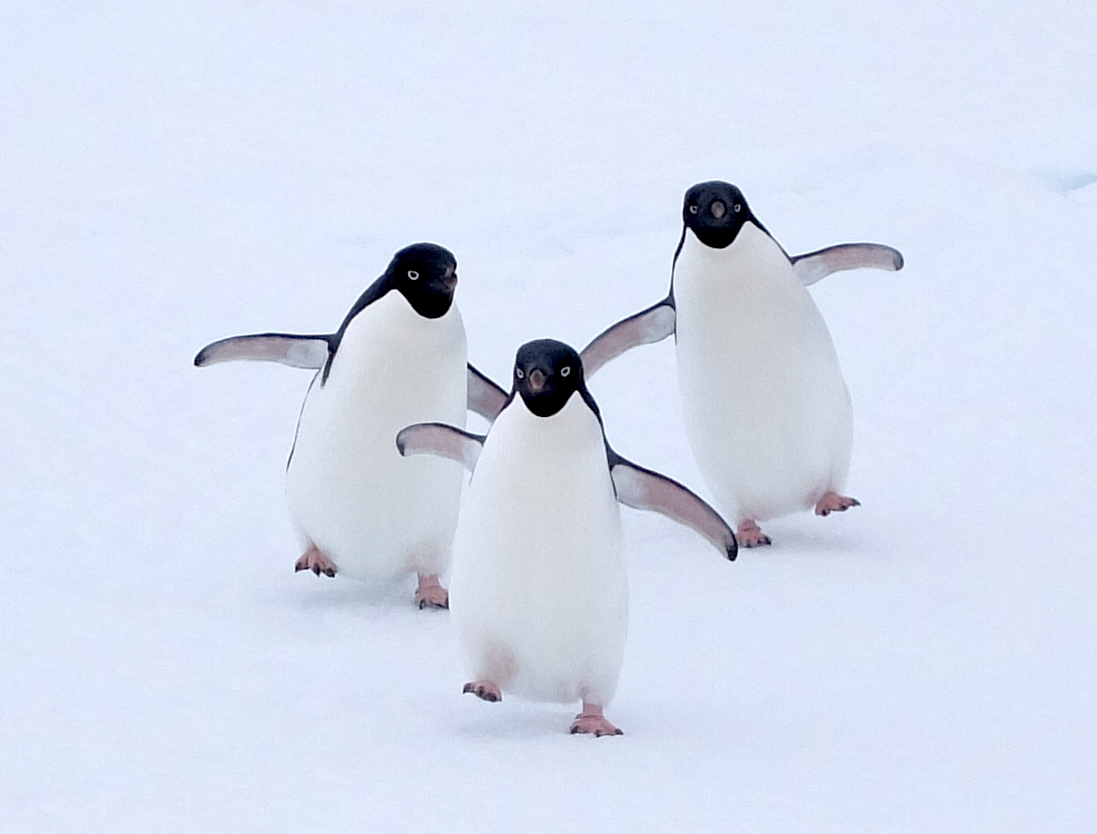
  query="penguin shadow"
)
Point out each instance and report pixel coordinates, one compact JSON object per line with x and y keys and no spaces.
{"x":797,"y":541}
{"x":513,"y":720}
{"x":350,"y":595}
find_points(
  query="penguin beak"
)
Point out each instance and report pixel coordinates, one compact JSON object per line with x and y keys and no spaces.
{"x":718,"y":209}
{"x":449,"y":280}
{"x":537,"y":380}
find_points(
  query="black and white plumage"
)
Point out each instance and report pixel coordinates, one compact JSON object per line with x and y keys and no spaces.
{"x":539,"y":588}
{"x":398,"y":357}
{"x":766,"y":409}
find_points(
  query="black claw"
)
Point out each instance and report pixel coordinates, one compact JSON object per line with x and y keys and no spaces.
{"x":298,"y":568}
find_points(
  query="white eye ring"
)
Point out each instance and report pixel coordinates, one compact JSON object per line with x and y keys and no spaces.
{"x":520,"y":373}
{"x":737,"y":207}
{"x":413,"y":275}
{"x":693,"y":209}
{"x":565,"y":370}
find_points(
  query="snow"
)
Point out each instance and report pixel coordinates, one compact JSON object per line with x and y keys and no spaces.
{"x":176,"y":173}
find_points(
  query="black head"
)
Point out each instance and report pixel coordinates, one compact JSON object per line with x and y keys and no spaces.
{"x":546,"y":374}
{"x":426,"y":275}
{"x":715,"y":211}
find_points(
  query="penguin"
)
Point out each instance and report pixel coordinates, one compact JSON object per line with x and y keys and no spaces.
{"x":398,"y":357}
{"x":540,"y":597}
{"x":766,"y":408}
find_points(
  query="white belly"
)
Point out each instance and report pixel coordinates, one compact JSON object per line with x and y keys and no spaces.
{"x":375,"y":513}
{"x":539,"y":595}
{"x":766,"y":409}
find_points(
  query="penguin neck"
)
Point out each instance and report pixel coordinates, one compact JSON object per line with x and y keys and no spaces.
{"x":574,"y":426}
{"x":703,"y":273}
{"x":390,"y":334}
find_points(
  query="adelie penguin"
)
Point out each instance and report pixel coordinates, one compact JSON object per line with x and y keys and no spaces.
{"x":399,"y":357}
{"x":540,"y":599}
{"x":766,"y":408}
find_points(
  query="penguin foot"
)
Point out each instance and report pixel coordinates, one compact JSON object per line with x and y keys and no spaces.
{"x":750,"y":534}
{"x":832,"y":502}
{"x":430,"y":593}
{"x":315,"y":561}
{"x":591,"y":720}
{"x":485,"y":690}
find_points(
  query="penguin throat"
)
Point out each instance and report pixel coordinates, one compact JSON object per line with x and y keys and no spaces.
{"x":719,"y":237}
{"x":430,"y":304}
{"x":547,"y":401}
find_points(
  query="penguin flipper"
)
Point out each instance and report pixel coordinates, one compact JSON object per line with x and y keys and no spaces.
{"x":289,"y":349}
{"x":643,"y":489}
{"x":814,"y":266}
{"x":441,"y":440}
{"x":646,"y":327}
{"x":485,"y":397}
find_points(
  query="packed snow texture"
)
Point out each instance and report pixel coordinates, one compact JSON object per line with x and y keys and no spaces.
{"x":177,"y":173}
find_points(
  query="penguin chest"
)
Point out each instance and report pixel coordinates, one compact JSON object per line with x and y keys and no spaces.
{"x":765,"y":404}
{"x":349,"y":489}
{"x":538,"y":578}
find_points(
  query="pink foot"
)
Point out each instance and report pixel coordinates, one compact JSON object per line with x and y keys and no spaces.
{"x":832,"y":502}
{"x":750,"y":534}
{"x":315,"y":561}
{"x":430,"y":594}
{"x":591,"y":720}
{"x":485,"y":690}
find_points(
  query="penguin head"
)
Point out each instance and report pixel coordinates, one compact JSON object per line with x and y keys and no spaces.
{"x":715,"y":211}
{"x":426,"y":275}
{"x":546,"y":374}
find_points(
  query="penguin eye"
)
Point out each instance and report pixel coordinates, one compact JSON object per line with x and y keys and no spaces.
{"x":413,"y":275}
{"x":693,"y":209}
{"x":518,"y":372}
{"x":736,"y":207}
{"x":565,"y":370}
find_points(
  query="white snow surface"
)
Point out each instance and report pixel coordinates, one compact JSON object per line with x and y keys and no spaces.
{"x":171,"y":174}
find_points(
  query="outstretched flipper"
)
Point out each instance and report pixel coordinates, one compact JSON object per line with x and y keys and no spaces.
{"x":485,"y":397}
{"x":814,"y":266}
{"x":643,"y":489}
{"x":441,"y":440}
{"x":312,"y":352}
{"x":646,"y":327}
{"x":296,"y":351}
